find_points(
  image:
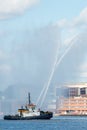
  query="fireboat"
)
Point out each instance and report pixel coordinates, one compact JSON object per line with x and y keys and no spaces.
{"x":29,"y":113}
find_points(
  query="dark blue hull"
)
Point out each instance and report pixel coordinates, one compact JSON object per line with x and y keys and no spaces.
{"x":44,"y":116}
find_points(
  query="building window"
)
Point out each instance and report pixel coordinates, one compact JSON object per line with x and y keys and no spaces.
{"x":82,"y":91}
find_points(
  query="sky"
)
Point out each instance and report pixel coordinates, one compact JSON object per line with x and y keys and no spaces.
{"x":34,"y":33}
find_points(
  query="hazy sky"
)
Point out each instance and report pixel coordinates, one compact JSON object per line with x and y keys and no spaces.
{"x":31,"y":33}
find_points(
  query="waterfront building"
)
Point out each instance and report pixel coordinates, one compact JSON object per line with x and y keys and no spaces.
{"x":73,"y":105}
{"x":71,"y":90}
{"x":74,"y":101}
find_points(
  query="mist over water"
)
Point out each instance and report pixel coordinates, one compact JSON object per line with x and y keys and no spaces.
{"x":28,"y":64}
{"x":41,"y":59}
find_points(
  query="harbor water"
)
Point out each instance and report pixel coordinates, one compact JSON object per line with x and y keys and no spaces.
{"x":58,"y":123}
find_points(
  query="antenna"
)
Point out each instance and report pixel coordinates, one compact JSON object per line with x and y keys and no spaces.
{"x":29,"y":101}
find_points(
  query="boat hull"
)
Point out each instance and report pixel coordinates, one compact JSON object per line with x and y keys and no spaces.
{"x":40,"y":117}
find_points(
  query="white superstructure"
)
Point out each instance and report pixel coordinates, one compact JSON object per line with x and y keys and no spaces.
{"x":29,"y":110}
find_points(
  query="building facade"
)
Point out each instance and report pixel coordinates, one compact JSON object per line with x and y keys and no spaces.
{"x":73,"y":106}
{"x":74,"y":101}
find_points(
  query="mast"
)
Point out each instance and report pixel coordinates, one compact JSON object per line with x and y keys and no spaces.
{"x":29,"y":100}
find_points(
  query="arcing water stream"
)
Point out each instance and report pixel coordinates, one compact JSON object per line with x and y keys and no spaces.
{"x":55,"y":66}
{"x":45,"y":88}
